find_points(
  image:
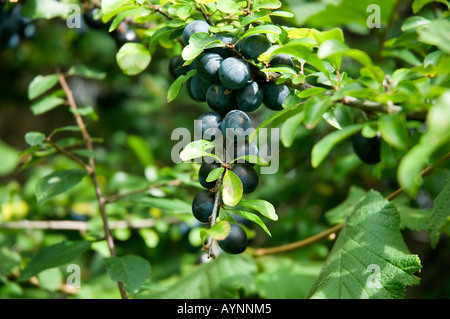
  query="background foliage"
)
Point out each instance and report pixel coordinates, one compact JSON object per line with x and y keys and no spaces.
{"x":317,"y":186}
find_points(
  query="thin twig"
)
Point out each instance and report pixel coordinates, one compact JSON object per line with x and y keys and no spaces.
{"x":83,"y":226}
{"x":116,"y":197}
{"x":214,"y":214}
{"x":310,"y":240}
{"x":98,"y":192}
{"x":158,"y":9}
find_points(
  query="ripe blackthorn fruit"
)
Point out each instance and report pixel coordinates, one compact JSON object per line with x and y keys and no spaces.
{"x":234,"y":73}
{"x":195,"y":89}
{"x":176,"y":67}
{"x":194,"y":27}
{"x":210,"y":125}
{"x":203,"y":205}
{"x":236,"y":242}
{"x":208,"y":67}
{"x":255,"y":45}
{"x":367,"y":149}
{"x":235,"y":124}
{"x":250,"y":97}
{"x":220,"y":99}
{"x":274,"y":95}
{"x":203,"y":173}
{"x":225,"y":38}
{"x":282,"y":60}
{"x":247,"y":175}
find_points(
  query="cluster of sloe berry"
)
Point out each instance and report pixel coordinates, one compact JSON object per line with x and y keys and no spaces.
{"x":14,"y":27}
{"x":224,"y":81}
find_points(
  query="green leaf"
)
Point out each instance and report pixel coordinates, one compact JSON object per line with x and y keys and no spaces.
{"x":86,"y":72}
{"x":252,"y":217}
{"x":214,"y":174}
{"x":254,"y":159}
{"x":437,"y":33}
{"x":47,"y":9}
{"x":324,"y":146}
{"x":297,"y":49}
{"x":69,"y":128}
{"x":34,"y":138}
{"x":419,"y":4}
{"x":412,"y":23}
{"x":370,"y":258}
{"x":232,"y":189}
{"x":440,"y":219}
{"x":134,"y":11}
{"x":111,"y":5}
{"x":197,"y":149}
{"x":197,"y":43}
{"x":57,"y":183}
{"x":394,"y":130}
{"x":436,"y":135}
{"x":50,"y":279}
{"x":338,"y":214}
{"x":41,"y":84}
{"x":54,"y":256}
{"x":284,"y":278}
{"x":314,"y":110}
{"x":9,"y":159}
{"x":219,"y":231}
{"x":173,"y":205}
{"x":133,"y":58}
{"x":261,"y":206}
{"x":227,"y":6}
{"x":262,"y":29}
{"x":233,"y":275}
{"x":131,"y":270}
{"x":269,"y":4}
{"x":142,"y":150}
{"x":176,"y":85}
{"x":9,"y":260}
{"x":332,"y":47}
{"x":86,"y":111}
{"x":289,"y":129}
{"x":46,"y":104}
{"x":310,"y":92}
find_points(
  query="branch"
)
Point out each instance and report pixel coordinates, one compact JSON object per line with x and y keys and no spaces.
{"x":82,"y":226}
{"x":116,"y":197}
{"x":98,"y":192}
{"x":158,"y":9}
{"x":305,"y":242}
{"x":209,"y":246}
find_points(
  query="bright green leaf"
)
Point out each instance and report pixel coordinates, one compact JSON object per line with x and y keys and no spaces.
{"x":54,"y":256}
{"x":57,"y":183}
{"x":440,"y":219}
{"x":46,"y":104}
{"x":232,"y":189}
{"x":233,"y":275}
{"x":394,"y":130}
{"x":214,"y":174}
{"x":131,"y":270}
{"x":324,"y":146}
{"x":370,"y":258}
{"x":34,"y":138}
{"x":262,"y":206}
{"x":133,"y":58}
{"x":41,"y":84}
